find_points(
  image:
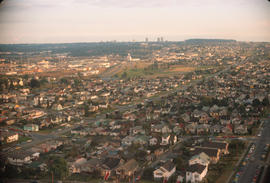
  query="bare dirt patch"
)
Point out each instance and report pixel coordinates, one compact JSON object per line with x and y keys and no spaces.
{"x":181,"y":69}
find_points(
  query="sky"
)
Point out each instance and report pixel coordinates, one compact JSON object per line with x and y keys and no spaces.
{"x":64,"y":21}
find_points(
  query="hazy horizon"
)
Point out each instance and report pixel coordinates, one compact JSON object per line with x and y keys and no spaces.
{"x":70,"y":21}
{"x":132,"y":41}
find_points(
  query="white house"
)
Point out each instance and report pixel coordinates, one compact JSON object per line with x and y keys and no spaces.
{"x":160,"y":128}
{"x":19,"y":158}
{"x":165,"y":171}
{"x":153,"y":141}
{"x":8,"y":137}
{"x":128,"y":140}
{"x":201,"y":159}
{"x":35,"y":156}
{"x":195,"y":173}
{"x":76,"y":166}
{"x":103,"y":105}
{"x":174,"y":139}
{"x":165,"y":139}
{"x":166,"y":129}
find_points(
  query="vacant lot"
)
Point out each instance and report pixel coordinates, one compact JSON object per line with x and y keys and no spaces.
{"x":124,"y":66}
{"x":181,"y":68}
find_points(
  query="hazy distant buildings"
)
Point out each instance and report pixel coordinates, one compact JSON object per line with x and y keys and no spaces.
{"x":160,"y":39}
{"x":146,"y":40}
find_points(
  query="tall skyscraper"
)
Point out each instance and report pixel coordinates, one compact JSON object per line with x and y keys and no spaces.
{"x":146,"y":39}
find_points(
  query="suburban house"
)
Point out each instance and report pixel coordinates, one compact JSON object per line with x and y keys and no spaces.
{"x":240,"y":129}
{"x":165,"y":139}
{"x":137,"y":130}
{"x":216,"y":128}
{"x":177,"y":129}
{"x":19,"y":158}
{"x":191,"y":128}
{"x":165,"y":171}
{"x":213,"y":153}
{"x":203,"y":128}
{"x":141,"y":139}
{"x":128,"y":169}
{"x":31,"y":127}
{"x":227,"y":130}
{"x":8,"y":137}
{"x":49,"y":145}
{"x":153,"y":141}
{"x":128,"y":140}
{"x":77,"y":166}
{"x":161,"y":128}
{"x":90,"y":166}
{"x":57,"y":107}
{"x":109,"y":166}
{"x":201,"y":159}
{"x":195,"y":173}
{"x":185,"y":117}
{"x":166,"y":129}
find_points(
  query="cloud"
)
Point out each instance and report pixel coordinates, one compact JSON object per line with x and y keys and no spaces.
{"x":21,"y":5}
{"x":26,"y":4}
{"x":129,"y":3}
{"x":152,"y":3}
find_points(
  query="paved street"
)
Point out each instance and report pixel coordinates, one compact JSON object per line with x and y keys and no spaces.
{"x":250,"y":168}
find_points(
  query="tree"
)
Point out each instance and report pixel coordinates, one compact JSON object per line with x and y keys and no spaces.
{"x":86,"y":110}
{"x":265,"y":101}
{"x":242,"y":109}
{"x":74,"y":151}
{"x":10,"y":171}
{"x":34,"y":83}
{"x":148,"y":173}
{"x":179,"y":163}
{"x":43,"y":81}
{"x":140,"y":153}
{"x":206,"y":101}
{"x":256,"y":102}
{"x":124,"y":75}
{"x":155,"y":65}
{"x":77,"y":82}
{"x":64,"y":81}
{"x":58,"y":166}
{"x":3,"y":83}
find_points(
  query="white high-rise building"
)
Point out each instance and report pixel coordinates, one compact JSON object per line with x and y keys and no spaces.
{"x":129,"y":58}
